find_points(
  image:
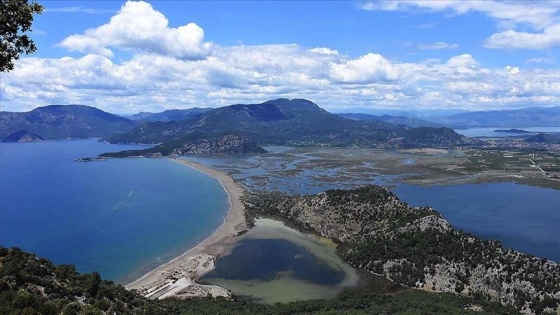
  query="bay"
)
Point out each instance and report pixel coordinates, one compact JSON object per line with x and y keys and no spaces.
{"x":521,"y":217}
{"x":120,"y":217}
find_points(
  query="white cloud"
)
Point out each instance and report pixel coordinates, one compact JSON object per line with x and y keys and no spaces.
{"x":543,"y":17}
{"x":140,"y":28}
{"x":323,"y":51}
{"x":150,"y":82}
{"x":78,"y":10}
{"x":437,"y":46}
{"x":157,"y":76}
{"x":368,"y":68}
{"x":512,"y":39}
{"x":540,"y":60}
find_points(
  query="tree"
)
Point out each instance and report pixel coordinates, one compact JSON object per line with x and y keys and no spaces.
{"x":16,"y":17}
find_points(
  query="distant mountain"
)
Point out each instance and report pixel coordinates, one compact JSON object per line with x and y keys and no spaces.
{"x":64,"y":121}
{"x":22,"y":136}
{"x":527,"y":117}
{"x":425,"y":114}
{"x":545,"y":138}
{"x":169,"y":115}
{"x":401,"y":120}
{"x":286,"y":122}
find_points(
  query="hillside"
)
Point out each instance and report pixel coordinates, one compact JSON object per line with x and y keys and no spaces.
{"x":400,"y":120}
{"x":33,"y":285}
{"x":417,"y":247}
{"x":169,"y":115}
{"x":289,"y":122}
{"x":64,"y":121}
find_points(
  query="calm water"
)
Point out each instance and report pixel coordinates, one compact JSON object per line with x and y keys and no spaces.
{"x":522,"y":217}
{"x":269,"y":258}
{"x":489,"y":131}
{"x":274,"y":263}
{"x":120,"y":217}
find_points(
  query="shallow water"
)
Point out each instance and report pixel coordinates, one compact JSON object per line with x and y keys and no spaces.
{"x":274,"y":263}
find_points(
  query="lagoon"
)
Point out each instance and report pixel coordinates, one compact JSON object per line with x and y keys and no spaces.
{"x":275,"y":263}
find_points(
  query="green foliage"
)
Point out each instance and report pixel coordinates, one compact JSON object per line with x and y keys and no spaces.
{"x":32,"y":285}
{"x":16,"y":18}
{"x":385,"y":236}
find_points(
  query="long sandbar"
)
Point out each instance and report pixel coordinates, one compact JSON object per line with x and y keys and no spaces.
{"x":214,"y":245}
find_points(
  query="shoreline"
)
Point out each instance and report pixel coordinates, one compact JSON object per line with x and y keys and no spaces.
{"x":177,"y":277}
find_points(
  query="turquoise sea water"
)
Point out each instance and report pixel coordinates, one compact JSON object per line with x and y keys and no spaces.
{"x":119,"y":217}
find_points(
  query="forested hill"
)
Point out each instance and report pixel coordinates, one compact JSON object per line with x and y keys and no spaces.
{"x":417,"y":247}
{"x":32,"y":285}
{"x":289,"y":122}
{"x":63,"y":121}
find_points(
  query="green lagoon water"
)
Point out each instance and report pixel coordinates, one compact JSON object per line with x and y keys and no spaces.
{"x":274,"y":263}
{"x":120,"y":217}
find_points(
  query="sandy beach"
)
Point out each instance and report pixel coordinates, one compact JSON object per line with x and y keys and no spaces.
{"x":176,"y":277}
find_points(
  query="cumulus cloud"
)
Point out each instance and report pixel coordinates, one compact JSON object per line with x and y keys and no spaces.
{"x":140,"y":28}
{"x":368,"y":68}
{"x":165,"y":72}
{"x":157,"y":82}
{"x":543,"y":17}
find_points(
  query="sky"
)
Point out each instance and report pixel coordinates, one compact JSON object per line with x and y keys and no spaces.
{"x":126,"y":57}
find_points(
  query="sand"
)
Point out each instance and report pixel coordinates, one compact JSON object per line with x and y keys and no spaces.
{"x":177,"y":277}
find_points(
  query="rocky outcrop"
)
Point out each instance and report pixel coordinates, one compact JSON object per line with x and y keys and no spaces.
{"x":417,"y":247}
{"x":232,"y":143}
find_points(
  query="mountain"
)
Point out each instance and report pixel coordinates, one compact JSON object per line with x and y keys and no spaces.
{"x":553,"y":138}
{"x":22,"y":136}
{"x":401,"y":120}
{"x":527,"y":117}
{"x":416,"y":246}
{"x":64,"y":121}
{"x":294,"y":122}
{"x":169,"y":115}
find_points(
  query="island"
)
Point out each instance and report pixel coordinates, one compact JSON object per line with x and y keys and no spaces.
{"x":511,"y":131}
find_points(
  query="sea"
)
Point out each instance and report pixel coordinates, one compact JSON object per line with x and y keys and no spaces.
{"x":490,"y":132}
{"x":119,"y":217}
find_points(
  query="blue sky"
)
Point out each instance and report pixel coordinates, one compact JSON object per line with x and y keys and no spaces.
{"x":126,"y":57}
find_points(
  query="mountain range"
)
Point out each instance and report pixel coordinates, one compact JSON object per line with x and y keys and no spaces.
{"x":400,"y":120}
{"x":294,"y":122}
{"x":526,"y":117}
{"x":169,"y":115}
{"x":241,"y":127}
{"x":62,"y":122}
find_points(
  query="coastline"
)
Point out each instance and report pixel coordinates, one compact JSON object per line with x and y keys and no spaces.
{"x":176,"y":277}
